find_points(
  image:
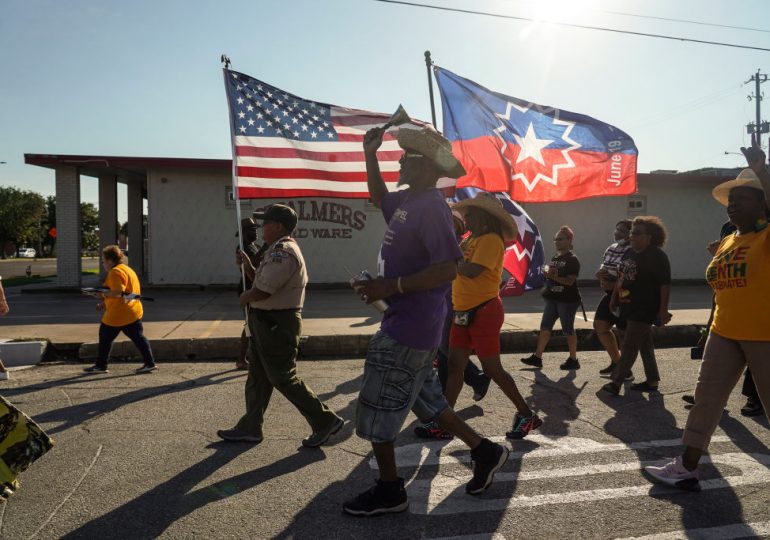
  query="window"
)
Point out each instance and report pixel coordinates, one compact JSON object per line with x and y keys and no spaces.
{"x":637,"y":205}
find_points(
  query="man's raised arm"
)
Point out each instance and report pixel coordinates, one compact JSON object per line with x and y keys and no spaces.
{"x":372,"y":142}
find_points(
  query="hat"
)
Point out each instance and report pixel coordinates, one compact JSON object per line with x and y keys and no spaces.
{"x":279,"y":213}
{"x":430,"y":143}
{"x":492,"y":205}
{"x":246,"y":224}
{"x":746,"y":178}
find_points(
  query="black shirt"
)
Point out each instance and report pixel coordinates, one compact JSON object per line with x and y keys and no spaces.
{"x":565,"y":265}
{"x":643,"y":274}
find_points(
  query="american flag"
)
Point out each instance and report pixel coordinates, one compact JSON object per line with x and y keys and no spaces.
{"x":524,"y":258}
{"x":288,"y":146}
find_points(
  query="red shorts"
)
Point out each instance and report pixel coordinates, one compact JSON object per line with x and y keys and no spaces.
{"x":483,"y":334}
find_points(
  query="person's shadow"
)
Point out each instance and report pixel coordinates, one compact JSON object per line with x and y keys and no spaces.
{"x":152,"y":512}
{"x":635,"y":413}
{"x":556,"y":402}
{"x":65,"y":418}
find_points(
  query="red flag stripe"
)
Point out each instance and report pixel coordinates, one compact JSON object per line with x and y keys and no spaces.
{"x":251,"y":151}
{"x":314,"y":174}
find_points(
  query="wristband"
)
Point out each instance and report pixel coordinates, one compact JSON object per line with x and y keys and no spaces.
{"x":398,"y":285}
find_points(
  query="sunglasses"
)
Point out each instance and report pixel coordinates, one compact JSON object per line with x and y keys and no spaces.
{"x":637,"y":232}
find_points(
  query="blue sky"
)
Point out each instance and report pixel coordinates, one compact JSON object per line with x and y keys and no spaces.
{"x":143,"y":78}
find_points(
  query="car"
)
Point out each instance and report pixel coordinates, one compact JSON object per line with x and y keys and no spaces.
{"x":27,"y":253}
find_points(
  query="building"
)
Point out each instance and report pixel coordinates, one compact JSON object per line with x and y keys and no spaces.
{"x":191,"y":220}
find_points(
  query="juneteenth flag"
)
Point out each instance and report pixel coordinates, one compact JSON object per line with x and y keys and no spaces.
{"x":533,"y":152}
{"x":524,"y":258}
{"x":288,"y":146}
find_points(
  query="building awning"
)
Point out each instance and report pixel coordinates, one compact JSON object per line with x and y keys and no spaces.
{"x":122,"y":166}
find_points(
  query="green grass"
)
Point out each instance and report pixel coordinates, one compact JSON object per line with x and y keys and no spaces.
{"x":24,"y":280}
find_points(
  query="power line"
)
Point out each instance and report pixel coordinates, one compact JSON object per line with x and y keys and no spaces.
{"x":684,"y":21}
{"x":571,"y":25}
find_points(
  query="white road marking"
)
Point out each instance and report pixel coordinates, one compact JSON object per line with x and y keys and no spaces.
{"x":444,"y":494}
{"x":726,"y":532}
{"x":485,"y":536}
{"x":454,"y":451}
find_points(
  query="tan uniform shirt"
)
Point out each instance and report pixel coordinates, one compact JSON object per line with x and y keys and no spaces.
{"x":282,"y":273}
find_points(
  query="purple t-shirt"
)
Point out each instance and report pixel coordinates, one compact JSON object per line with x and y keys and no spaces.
{"x":419,"y":234}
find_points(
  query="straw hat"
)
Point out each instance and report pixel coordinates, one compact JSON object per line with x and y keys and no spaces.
{"x":746,"y":178}
{"x":492,"y":205}
{"x":430,"y":143}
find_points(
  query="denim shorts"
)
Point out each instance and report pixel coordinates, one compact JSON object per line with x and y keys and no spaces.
{"x":564,"y":311}
{"x":397,"y":379}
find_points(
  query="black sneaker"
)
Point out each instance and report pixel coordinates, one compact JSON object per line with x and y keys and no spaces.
{"x":96,"y":369}
{"x":608,"y":370}
{"x":488,"y":458}
{"x":644,"y":386}
{"x":383,"y":498}
{"x":147,"y":369}
{"x":481,"y":390}
{"x":570,"y":363}
{"x":753,"y":407}
{"x":532,"y":360}
{"x":237,"y":435}
{"x":689,"y":399}
{"x":431,"y":430}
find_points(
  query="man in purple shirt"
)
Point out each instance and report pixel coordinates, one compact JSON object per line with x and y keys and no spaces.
{"x":417,"y":262}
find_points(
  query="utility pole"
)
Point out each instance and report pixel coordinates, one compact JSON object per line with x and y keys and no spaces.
{"x":759,"y":127}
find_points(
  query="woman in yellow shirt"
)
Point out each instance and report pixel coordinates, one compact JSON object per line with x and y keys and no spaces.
{"x":478,"y":310}
{"x":740,"y":331}
{"x":120,"y":314}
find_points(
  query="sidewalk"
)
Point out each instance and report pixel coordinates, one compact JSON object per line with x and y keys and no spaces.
{"x":205,"y":324}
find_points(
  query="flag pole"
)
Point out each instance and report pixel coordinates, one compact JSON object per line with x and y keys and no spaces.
{"x":236,"y":197}
{"x":428,"y":65}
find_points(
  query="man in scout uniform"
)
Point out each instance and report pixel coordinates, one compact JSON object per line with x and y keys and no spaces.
{"x":275,"y":321}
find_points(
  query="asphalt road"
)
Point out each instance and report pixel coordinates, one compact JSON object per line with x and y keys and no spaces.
{"x":10,"y":268}
{"x":137,"y":457}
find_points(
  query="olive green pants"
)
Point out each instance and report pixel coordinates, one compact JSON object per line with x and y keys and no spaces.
{"x":274,"y":343}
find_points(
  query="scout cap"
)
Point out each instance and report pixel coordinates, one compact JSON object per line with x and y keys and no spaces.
{"x":279,"y":213}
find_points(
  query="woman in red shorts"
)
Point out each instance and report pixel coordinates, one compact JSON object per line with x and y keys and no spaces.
{"x":478,"y":310}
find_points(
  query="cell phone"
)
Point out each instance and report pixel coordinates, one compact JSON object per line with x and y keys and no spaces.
{"x":696,"y":353}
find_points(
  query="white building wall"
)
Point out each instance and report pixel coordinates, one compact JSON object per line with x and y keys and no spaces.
{"x":693,"y":218}
{"x":192,"y":225}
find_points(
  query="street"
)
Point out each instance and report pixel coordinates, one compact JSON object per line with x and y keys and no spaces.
{"x":138,"y":457}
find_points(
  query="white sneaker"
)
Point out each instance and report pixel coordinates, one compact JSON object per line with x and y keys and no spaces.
{"x":4,"y":375}
{"x":675,"y":474}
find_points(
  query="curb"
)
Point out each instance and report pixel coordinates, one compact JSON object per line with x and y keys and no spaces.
{"x":355,"y":345}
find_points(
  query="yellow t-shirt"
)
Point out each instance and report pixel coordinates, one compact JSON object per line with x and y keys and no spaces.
{"x":117,"y":312}
{"x":486,"y":250}
{"x":739,"y":273}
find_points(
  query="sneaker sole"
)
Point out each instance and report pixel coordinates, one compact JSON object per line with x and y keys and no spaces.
{"x":514,"y":435}
{"x":688,"y":484}
{"x":491,"y":476}
{"x":150,"y":370}
{"x":334,"y":430}
{"x":245,"y":439}
{"x":390,"y":510}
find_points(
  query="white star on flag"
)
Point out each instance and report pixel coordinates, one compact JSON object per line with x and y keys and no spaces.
{"x":531,"y":146}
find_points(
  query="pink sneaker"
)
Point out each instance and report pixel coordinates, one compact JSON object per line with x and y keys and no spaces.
{"x":675,"y":474}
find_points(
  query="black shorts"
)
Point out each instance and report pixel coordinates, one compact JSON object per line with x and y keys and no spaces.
{"x":603,"y":313}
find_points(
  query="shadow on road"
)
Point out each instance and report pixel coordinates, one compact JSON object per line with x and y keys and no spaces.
{"x":74,"y":415}
{"x":151,"y":513}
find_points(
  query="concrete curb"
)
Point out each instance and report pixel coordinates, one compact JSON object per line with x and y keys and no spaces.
{"x":355,"y":345}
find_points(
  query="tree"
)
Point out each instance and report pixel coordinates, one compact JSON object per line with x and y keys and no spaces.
{"x":89,"y":222}
{"x":20,"y":216}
